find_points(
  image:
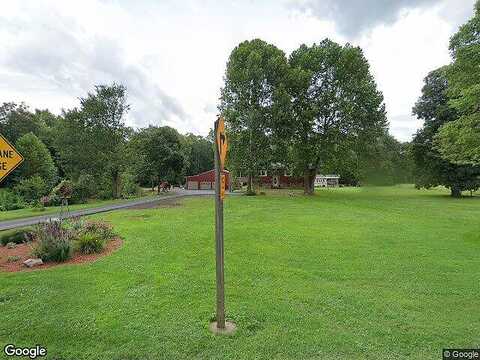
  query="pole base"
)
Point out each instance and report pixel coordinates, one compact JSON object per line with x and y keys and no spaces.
{"x":230,"y":328}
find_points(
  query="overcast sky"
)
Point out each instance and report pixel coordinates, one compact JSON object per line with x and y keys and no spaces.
{"x":171,"y":55}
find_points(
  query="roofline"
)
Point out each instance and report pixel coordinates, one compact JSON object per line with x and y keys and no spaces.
{"x":206,"y":172}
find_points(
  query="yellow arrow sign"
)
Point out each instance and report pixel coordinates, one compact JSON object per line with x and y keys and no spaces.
{"x":222,"y":145}
{"x":222,"y":186}
{"x":10,"y":158}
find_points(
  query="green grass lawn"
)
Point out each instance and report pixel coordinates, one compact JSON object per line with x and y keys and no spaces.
{"x":29,"y":212}
{"x":379,"y":273}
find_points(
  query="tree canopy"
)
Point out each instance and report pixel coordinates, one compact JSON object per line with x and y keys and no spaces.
{"x":254,"y":86}
{"x":430,"y":168}
{"x":92,"y":139}
{"x":37,"y":160}
{"x":459,"y":142}
{"x":334,"y":102}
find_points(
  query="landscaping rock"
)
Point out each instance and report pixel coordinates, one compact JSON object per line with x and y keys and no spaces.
{"x":11,"y":245}
{"x":33,"y":262}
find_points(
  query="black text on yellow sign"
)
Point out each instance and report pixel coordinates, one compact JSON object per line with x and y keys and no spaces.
{"x":10,"y":158}
{"x":222,"y":186}
{"x":222,"y":144}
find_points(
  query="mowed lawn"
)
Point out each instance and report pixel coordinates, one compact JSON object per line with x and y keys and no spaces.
{"x":52,"y":210}
{"x":380,"y":273}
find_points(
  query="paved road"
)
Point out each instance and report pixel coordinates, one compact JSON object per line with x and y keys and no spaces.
{"x":178,"y":193}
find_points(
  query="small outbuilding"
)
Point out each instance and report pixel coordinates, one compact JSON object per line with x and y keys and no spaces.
{"x":205,"y":180}
{"x":327,"y":180}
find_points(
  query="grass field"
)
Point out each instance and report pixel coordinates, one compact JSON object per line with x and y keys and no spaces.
{"x":380,"y":273}
{"x":29,"y":212}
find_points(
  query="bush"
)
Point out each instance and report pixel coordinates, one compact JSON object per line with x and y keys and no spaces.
{"x":64,"y":190}
{"x":16,"y":236}
{"x":100,"y":228}
{"x":13,"y":258}
{"x":31,"y":189}
{"x":10,"y":201}
{"x":90,"y":243}
{"x":85,"y":188}
{"x":54,"y":242}
{"x":104,"y":188}
{"x":129,"y":186}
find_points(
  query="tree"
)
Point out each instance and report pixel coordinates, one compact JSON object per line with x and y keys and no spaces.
{"x":16,"y":120}
{"x":386,"y":162}
{"x":335,"y":105}
{"x":198,"y":154}
{"x":463,"y":74}
{"x":159,"y":153}
{"x":37,"y":160}
{"x":430,"y":169}
{"x":91,"y":140}
{"x":254,"y":84}
{"x":459,"y":141}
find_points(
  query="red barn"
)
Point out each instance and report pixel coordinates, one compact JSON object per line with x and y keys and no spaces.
{"x":205,"y":180}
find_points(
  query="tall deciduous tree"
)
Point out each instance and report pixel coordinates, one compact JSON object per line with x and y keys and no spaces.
{"x":335,"y":102}
{"x":430,"y":169}
{"x":158,"y":153}
{"x":459,"y":142}
{"x":198,"y":153}
{"x":37,"y":160}
{"x":16,"y":120}
{"x":92,"y":139}
{"x":254,"y":83}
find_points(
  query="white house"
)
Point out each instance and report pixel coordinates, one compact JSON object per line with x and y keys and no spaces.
{"x":327,"y":181}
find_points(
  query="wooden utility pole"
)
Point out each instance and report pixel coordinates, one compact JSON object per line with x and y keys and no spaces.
{"x":220,"y":326}
{"x":219,"y":234}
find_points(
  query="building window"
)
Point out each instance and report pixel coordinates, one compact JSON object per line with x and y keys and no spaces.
{"x":263,"y":172}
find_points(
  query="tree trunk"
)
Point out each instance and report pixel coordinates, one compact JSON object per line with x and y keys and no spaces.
{"x":249,"y":183}
{"x":309,"y":181}
{"x":116,"y":184}
{"x":455,"y":192}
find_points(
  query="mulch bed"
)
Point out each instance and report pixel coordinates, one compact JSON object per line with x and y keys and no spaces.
{"x":23,"y":251}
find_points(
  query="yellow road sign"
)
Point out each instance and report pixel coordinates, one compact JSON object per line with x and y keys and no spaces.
{"x":222,"y":186}
{"x":10,"y":158}
{"x":222,"y":144}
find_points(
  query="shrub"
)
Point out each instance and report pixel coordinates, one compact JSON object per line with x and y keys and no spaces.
{"x":39,"y":205}
{"x":100,"y":228}
{"x":84,"y":189}
{"x":104,"y":188}
{"x":54,"y":242}
{"x":90,"y":243}
{"x":38,"y":160}
{"x":13,"y":258}
{"x":16,"y":236}
{"x":31,"y":189}
{"x":10,"y":201}
{"x":64,"y":190}
{"x":129,"y":186}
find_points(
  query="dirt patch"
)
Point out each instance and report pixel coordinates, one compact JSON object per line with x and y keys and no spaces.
{"x":22,"y":252}
{"x":164,"y":203}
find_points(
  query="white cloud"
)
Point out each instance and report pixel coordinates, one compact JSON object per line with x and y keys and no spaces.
{"x":171,"y":55}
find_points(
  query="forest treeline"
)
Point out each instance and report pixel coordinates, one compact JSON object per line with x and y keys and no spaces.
{"x":92,"y":149}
